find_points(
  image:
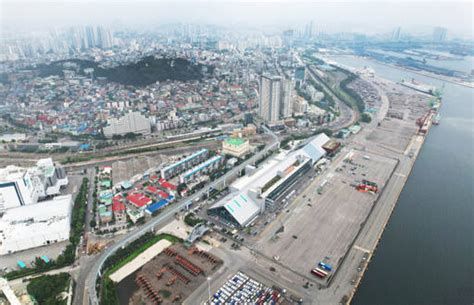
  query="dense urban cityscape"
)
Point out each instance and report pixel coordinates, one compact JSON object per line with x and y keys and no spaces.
{"x":197,"y":163}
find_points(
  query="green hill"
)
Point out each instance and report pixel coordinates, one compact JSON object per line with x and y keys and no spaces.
{"x":142,"y":73}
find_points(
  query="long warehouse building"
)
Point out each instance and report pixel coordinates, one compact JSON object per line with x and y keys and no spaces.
{"x":260,"y":187}
{"x":35,"y":225}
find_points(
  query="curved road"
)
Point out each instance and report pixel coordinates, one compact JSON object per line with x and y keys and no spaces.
{"x":139,"y":231}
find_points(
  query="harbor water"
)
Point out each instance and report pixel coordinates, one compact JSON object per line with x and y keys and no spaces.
{"x":426,"y":254}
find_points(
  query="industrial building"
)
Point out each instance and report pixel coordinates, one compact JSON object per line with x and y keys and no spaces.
{"x":132,"y":122}
{"x":24,"y":186}
{"x":236,"y":147}
{"x":207,"y":166}
{"x":36,"y":225}
{"x":262,"y":186}
{"x":184,"y":164}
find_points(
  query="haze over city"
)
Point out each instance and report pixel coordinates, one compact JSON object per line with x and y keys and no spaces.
{"x":369,"y":17}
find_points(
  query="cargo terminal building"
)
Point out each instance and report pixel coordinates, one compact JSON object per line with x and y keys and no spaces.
{"x":261,"y":187}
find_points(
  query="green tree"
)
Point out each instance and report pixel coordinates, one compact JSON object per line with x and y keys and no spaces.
{"x":46,"y":289}
{"x":366,"y":118}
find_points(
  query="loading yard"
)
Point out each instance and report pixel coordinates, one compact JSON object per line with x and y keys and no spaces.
{"x":327,"y":216}
{"x":169,"y":277}
{"x":397,"y":129}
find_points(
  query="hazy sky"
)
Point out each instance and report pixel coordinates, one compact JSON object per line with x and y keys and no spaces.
{"x":330,"y":16}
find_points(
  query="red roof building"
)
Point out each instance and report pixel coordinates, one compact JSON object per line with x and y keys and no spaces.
{"x":138,"y":200}
{"x":117,"y":206}
{"x":167,"y":185}
{"x":163,"y":195}
{"x":152,"y":189}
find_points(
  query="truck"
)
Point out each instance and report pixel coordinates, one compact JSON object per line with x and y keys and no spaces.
{"x":326,"y":267}
{"x":319,"y":273}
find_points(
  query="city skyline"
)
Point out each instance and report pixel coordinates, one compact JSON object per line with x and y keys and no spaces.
{"x":348,"y":16}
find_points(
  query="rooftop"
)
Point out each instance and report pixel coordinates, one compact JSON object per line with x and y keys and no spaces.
{"x":31,"y":226}
{"x":138,"y":200}
{"x":242,"y":208}
{"x":235,"y":141}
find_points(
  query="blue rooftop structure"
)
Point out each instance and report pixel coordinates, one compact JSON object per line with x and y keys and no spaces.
{"x":156,"y":206}
{"x":85,"y":146}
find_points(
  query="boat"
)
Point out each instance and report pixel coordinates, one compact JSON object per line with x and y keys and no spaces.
{"x":415,"y":85}
{"x":436,"y":119}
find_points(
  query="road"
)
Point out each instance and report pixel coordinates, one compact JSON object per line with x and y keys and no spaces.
{"x":348,"y":116}
{"x":167,"y":213}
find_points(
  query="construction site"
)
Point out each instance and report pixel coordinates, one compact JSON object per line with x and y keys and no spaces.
{"x":169,"y":277}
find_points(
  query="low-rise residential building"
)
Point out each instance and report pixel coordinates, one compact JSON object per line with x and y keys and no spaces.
{"x":247,"y":131}
{"x":105,"y":215}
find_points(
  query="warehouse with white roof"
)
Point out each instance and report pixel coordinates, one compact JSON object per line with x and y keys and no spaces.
{"x":260,"y":187}
{"x":35,"y":225}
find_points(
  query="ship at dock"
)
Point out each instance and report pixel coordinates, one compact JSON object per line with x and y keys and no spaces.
{"x":420,"y":87}
{"x":432,"y":117}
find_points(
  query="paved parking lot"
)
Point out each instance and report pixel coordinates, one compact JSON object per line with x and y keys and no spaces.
{"x":29,"y":256}
{"x":323,"y":222}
